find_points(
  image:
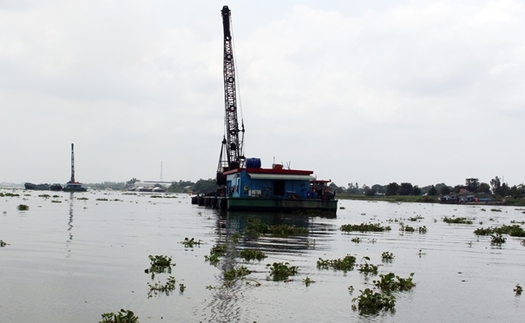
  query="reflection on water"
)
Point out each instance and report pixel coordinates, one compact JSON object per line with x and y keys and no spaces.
{"x":460,"y":277}
{"x":70,"y":222}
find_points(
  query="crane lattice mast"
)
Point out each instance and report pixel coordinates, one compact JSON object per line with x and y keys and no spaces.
{"x":232,"y":155}
{"x":72,"y":165}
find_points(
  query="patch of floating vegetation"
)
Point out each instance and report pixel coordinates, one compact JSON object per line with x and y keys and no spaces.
{"x":496,"y":210}
{"x":22,"y":207}
{"x":307,"y":281}
{"x":345,"y":264}
{"x":497,"y":239}
{"x":159,"y":264}
{"x":255,"y":228}
{"x":356,"y":240}
{"x":236,"y":273}
{"x":83,"y":198}
{"x":217,"y":251}
{"x":415,"y":218}
{"x":250,"y":254}
{"x":364,"y":227}
{"x":281,"y":271}
{"x":457,"y":220}
{"x":123,"y":316}
{"x":512,"y":230}
{"x":190,"y":243}
{"x":56,"y":201}
{"x":407,"y":228}
{"x":387,"y":256}
{"x":517,"y":222}
{"x":371,"y":302}
{"x":44,"y":196}
{"x":390,"y":283}
{"x":159,"y":288}
{"x":102,"y":199}
{"x":9,"y":194}
{"x":518,"y":289}
{"x":366,"y":268}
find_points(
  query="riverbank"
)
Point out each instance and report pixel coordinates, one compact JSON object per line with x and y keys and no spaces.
{"x":417,"y":199}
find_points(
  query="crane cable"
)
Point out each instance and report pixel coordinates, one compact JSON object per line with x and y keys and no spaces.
{"x":237,"y":86}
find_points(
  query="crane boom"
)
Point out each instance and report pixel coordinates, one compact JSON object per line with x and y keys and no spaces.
{"x":232,"y":156}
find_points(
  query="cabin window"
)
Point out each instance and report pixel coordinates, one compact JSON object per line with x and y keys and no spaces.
{"x":278,"y":187}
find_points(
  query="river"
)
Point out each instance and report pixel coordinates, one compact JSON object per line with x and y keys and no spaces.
{"x":74,"y":256}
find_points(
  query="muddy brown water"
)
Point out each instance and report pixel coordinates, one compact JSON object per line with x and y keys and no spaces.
{"x":72,"y":257}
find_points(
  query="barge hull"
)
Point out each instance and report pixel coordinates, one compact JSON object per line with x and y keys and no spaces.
{"x":277,"y":205}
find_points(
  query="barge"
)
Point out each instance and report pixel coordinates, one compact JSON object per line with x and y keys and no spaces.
{"x":242,"y":183}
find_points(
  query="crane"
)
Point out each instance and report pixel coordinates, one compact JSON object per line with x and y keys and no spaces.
{"x":232,"y":155}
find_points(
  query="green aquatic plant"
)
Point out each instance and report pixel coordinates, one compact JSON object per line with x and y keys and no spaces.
{"x":280,"y":271}
{"x":512,"y":230}
{"x":255,"y":228}
{"x":158,"y":288}
{"x":123,"y":316}
{"x":159,"y":264}
{"x":422,"y":230}
{"x":406,"y":228}
{"x":356,"y":240}
{"x":102,"y":199}
{"x":236,"y":237}
{"x":307,"y":281}
{"x":182,"y":288}
{"x":44,"y":196}
{"x":495,"y":210}
{"x":217,"y":251}
{"x":370,"y":302}
{"x":190,"y":243}
{"x":23,"y":207}
{"x":236,"y":272}
{"x":387,"y":256}
{"x":415,"y":218}
{"x":518,"y":289}
{"x":390,"y":283}
{"x":8,"y":194}
{"x":345,"y":264}
{"x":284,"y":230}
{"x":366,"y":268}
{"x":250,"y":254}
{"x":457,"y":220}
{"x":364,"y":227}
{"x":497,"y":239}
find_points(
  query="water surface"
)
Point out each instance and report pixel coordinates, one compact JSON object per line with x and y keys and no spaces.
{"x":72,"y":257}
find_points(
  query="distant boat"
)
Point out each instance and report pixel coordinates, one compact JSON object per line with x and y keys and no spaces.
{"x":55,"y":187}
{"x":36,"y":187}
{"x":74,"y":187}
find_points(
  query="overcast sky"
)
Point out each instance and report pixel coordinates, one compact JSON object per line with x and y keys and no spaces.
{"x":371,"y":92}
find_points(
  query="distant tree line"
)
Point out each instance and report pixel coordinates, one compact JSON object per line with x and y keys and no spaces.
{"x":496,"y":188}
